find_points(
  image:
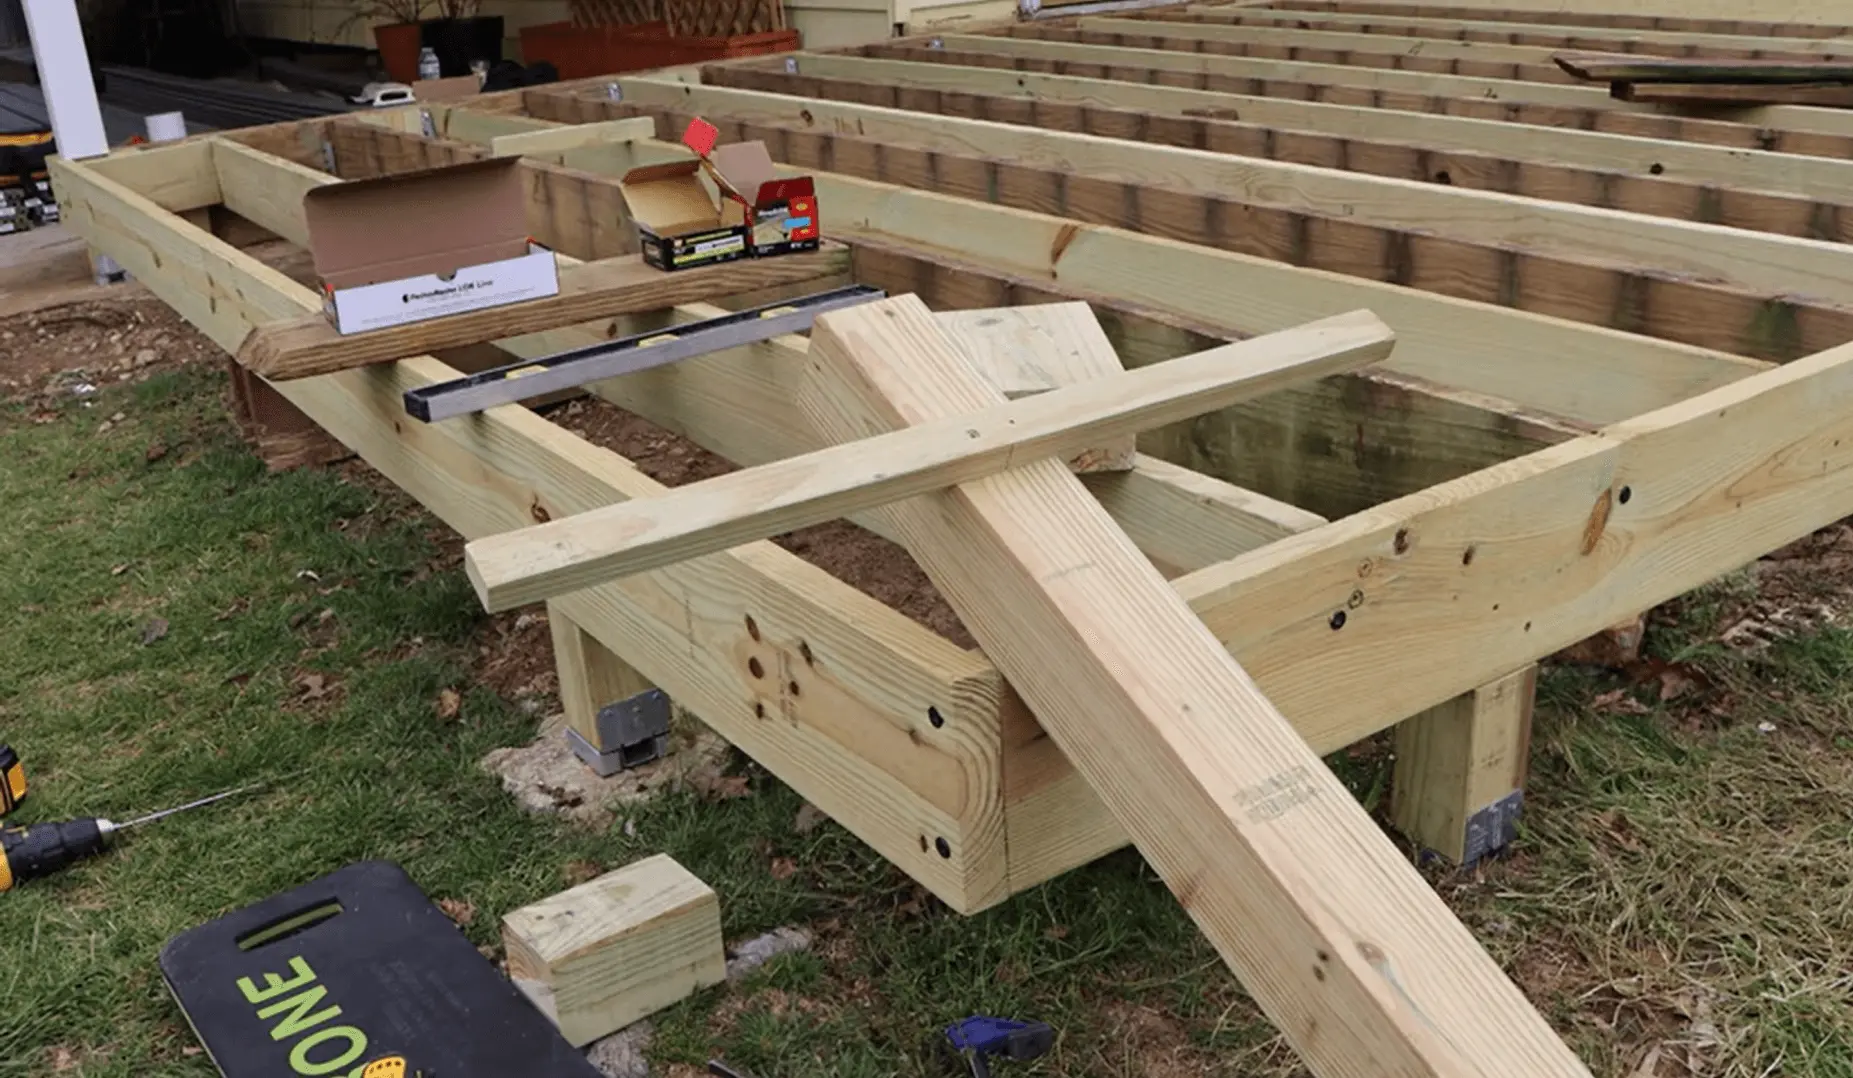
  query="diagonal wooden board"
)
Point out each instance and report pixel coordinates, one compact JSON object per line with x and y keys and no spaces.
{"x":310,"y":345}
{"x":561,"y":556}
{"x":1337,"y":937}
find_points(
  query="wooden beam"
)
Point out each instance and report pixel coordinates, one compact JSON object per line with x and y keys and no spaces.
{"x":1460,"y":770}
{"x":563,"y":556}
{"x":311,"y":345}
{"x":853,"y":737}
{"x":1769,"y":17}
{"x":618,"y":948}
{"x":554,"y":141}
{"x":1472,"y":58}
{"x":1478,"y":243}
{"x":590,"y":674}
{"x":1498,"y":99}
{"x":177,"y":176}
{"x":1613,"y":39}
{"x":1624,"y":173}
{"x":1763,"y":264}
{"x":1462,"y":583}
{"x":1272,"y":857}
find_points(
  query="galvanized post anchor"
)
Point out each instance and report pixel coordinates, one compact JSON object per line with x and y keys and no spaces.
{"x":635,"y":731}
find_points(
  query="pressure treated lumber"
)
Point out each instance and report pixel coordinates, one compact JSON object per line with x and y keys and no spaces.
{"x":1793,"y":131}
{"x":618,"y":948}
{"x":311,"y":345}
{"x":1024,"y":351}
{"x":1650,"y":176}
{"x":1733,"y":96}
{"x":1608,"y":67}
{"x":1461,"y":767}
{"x":1767,"y":18}
{"x":590,"y":676}
{"x":737,"y":403}
{"x":1344,"y":946}
{"x":1456,"y":585}
{"x":1610,"y":39}
{"x":1552,"y":367}
{"x":1671,"y":279}
{"x":1470,"y":58}
{"x":562,"y":556}
{"x":1161,"y":90}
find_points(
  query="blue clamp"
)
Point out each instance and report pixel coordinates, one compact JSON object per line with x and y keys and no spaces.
{"x":979,"y":1039}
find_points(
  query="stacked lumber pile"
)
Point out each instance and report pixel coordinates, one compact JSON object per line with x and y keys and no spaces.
{"x":1702,"y":81}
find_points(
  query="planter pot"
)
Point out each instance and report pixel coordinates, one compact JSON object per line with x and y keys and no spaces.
{"x":399,"y":45}
{"x":458,"y":42}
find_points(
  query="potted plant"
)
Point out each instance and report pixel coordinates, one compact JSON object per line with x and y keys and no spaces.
{"x":396,"y":33}
{"x":460,"y":36}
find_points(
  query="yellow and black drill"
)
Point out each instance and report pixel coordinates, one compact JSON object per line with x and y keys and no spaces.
{"x":40,"y":849}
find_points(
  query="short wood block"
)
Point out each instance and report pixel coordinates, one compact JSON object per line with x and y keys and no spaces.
{"x":616,"y":949}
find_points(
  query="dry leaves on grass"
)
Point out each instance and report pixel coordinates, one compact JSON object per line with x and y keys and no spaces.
{"x":720,"y":787}
{"x":311,"y":686}
{"x":810,"y":817}
{"x":63,"y":1058}
{"x":155,"y":452}
{"x":458,"y":910}
{"x":448,"y":704}
{"x":783,"y":868}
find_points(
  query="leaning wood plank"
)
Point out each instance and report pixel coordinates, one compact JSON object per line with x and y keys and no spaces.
{"x":1610,"y":67}
{"x":1342,"y":943}
{"x":565,"y":555}
{"x":311,"y":345}
{"x":617,"y":948}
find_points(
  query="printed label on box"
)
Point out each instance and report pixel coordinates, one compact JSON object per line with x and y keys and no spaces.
{"x":414,"y":299}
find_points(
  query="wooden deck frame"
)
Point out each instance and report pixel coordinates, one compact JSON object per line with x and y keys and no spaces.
{"x":1464,"y":480}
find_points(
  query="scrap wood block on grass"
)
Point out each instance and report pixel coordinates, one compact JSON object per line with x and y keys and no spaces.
{"x":616,"y":949}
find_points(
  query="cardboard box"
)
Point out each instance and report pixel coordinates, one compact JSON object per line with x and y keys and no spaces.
{"x":680,"y":222}
{"x":782,"y":213}
{"x":745,"y":209}
{"x":418,"y":245}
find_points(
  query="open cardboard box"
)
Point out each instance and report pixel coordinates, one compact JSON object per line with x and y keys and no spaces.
{"x":419,"y":245}
{"x":747,"y":210}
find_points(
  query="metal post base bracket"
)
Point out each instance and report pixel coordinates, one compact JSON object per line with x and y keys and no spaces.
{"x":635,"y":729}
{"x":627,"y":355}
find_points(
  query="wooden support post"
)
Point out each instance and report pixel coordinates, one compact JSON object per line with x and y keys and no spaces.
{"x":616,"y":949}
{"x":1342,"y":944}
{"x":1460,"y":770}
{"x":591,"y":676}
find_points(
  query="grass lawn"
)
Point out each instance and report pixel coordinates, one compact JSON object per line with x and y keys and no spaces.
{"x":177,"y":621}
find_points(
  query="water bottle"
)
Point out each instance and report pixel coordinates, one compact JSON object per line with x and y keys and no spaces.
{"x":428,"y":67}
